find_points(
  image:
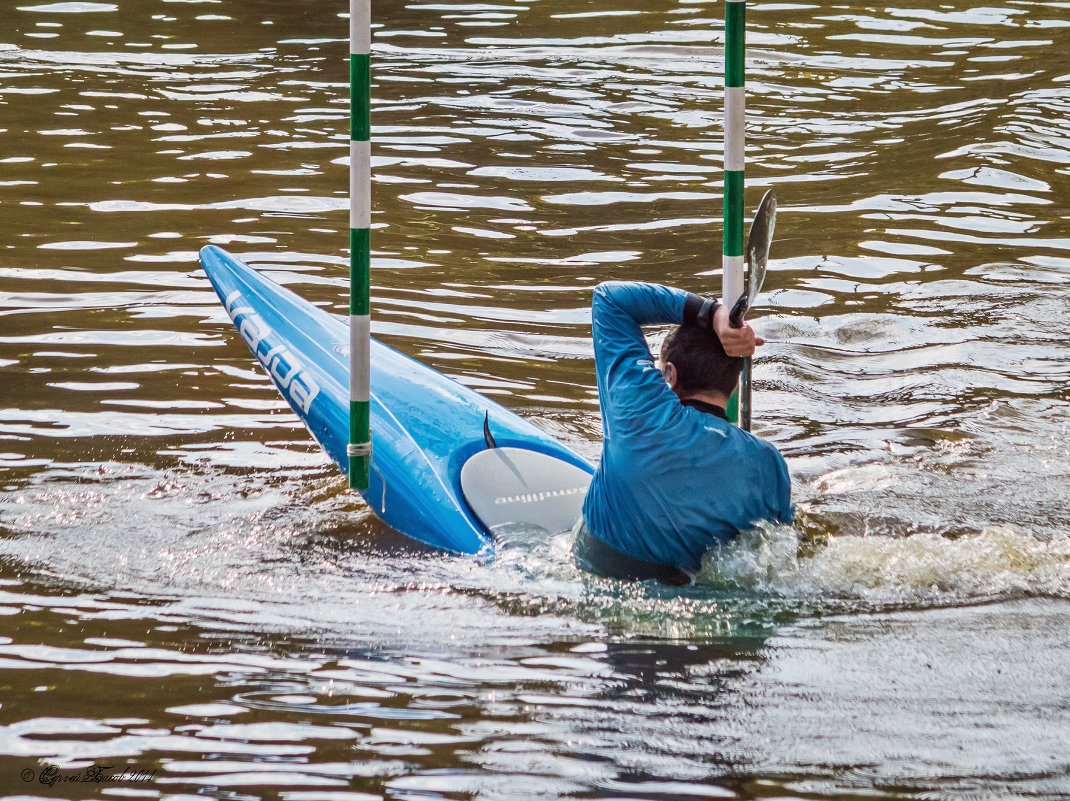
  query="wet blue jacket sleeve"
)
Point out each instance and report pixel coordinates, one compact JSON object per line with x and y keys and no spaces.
{"x":631,"y":391}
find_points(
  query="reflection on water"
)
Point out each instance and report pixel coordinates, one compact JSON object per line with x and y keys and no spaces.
{"x":187,"y":586}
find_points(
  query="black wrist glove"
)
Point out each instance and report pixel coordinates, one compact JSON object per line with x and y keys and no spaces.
{"x":704,"y":318}
{"x":699,"y":311}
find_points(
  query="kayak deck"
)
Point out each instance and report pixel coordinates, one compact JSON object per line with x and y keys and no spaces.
{"x":425,"y":426}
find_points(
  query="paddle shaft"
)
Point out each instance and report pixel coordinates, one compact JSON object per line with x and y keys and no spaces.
{"x":359,"y":450}
{"x":744,"y":394}
{"x":735,"y":319}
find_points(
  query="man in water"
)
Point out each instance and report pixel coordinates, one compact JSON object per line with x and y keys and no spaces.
{"x":676,"y":478}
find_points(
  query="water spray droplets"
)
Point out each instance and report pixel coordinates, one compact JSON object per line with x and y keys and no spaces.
{"x":922,"y":569}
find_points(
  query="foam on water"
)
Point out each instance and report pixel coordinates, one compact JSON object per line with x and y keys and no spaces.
{"x":918,"y":569}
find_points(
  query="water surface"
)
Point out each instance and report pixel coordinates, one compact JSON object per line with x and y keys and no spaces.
{"x":188,"y":590}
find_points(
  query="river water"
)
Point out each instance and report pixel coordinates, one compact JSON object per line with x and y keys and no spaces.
{"x":189,"y":593}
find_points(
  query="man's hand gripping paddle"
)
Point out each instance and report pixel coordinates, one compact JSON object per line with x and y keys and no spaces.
{"x":758,"y":242}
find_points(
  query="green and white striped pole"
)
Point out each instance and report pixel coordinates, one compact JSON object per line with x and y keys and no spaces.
{"x":735,"y":34}
{"x":735,"y":24}
{"x":360,"y":445}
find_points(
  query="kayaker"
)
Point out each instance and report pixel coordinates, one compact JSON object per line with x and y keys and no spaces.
{"x":675,"y":478}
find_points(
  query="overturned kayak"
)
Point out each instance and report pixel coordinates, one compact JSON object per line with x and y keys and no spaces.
{"x":448,"y":464}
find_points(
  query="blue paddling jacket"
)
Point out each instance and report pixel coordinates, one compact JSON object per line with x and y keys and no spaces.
{"x":673,"y":481}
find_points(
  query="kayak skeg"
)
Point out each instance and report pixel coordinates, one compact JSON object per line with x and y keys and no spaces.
{"x":426,"y":427}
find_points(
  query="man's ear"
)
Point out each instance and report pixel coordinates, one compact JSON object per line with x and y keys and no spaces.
{"x":669,"y":371}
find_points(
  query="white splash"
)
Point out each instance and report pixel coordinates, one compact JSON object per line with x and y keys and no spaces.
{"x":997,"y":562}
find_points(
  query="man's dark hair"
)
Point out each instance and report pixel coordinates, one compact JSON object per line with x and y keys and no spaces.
{"x":700,"y":361}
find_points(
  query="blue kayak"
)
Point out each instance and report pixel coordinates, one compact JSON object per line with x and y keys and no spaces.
{"x":427,"y":429}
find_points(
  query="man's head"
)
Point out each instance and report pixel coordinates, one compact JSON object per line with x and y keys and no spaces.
{"x":694,"y":362}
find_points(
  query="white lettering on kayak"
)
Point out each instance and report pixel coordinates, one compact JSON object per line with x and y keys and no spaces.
{"x":535,"y":497}
{"x":282,"y":365}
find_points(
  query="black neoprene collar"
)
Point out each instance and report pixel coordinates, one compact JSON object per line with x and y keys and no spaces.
{"x":708,"y":408}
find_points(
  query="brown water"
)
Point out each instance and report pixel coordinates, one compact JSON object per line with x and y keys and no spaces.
{"x":189,"y":591}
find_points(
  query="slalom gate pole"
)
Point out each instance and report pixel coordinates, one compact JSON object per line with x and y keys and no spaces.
{"x":735,"y":21}
{"x":360,"y":446}
{"x":735,"y":26}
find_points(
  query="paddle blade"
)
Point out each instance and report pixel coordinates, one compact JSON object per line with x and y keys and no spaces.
{"x":758,"y":243}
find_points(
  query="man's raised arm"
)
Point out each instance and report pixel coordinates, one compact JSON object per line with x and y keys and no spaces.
{"x":627,"y":378}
